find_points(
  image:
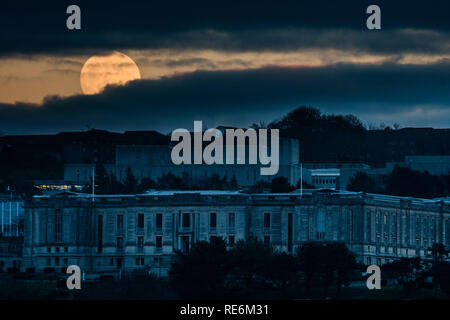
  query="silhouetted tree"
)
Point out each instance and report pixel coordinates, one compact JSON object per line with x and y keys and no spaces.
{"x":404,"y":271}
{"x":280,"y":185}
{"x":342,"y":262}
{"x":326,"y":262}
{"x":439,"y":252}
{"x":249,"y":260}
{"x":306,"y":185}
{"x":102,"y":183}
{"x":146,"y":184}
{"x":309,"y":119}
{"x":309,"y":255}
{"x":202,"y":272}
{"x":130,"y":183}
{"x":115,"y":186}
{"x":215,"y":182}
{"x":406,"y":182}
{"x":170,"y":181}
{"x":282,"y":271}
{"x":442,"y":276}
{"x":361,"y":181}
{"x":233,"y":182}
{"x":260,"y":186}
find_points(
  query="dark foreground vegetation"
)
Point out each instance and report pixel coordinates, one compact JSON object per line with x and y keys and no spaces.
{"x":253,"y":270}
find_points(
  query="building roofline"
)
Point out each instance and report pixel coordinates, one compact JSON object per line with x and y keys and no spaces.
{"x":242,"y":193}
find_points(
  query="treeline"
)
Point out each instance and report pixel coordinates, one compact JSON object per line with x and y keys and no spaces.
{"x":252,"y":269}
{"x":344,"y":138}
{"x":306,"y":120}
{"x":414,"y":273}
{"x":403,"y":182}
{"x":107,"y":183}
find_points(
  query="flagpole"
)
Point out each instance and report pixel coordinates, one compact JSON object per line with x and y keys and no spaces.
{"x":301,"y":179}
{"x":17,"y":218}
{"x":3,"y":216}
{"x":93,"y":182}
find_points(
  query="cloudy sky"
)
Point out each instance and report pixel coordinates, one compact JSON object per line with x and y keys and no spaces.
{"x":224,"y":63}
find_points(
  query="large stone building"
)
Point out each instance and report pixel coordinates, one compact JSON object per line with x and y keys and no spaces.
{"x":131,"y":232}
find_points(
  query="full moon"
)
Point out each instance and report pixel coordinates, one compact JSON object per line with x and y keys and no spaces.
{"x":112,"y":69}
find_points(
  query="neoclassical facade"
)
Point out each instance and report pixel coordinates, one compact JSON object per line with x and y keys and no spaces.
{"x":132,"y":232}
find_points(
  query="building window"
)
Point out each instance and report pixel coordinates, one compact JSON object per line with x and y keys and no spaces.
{"x":266,"y":240}
{"x":66,"y":249}
{"x":231,"y":241}
{"x":56,"y":261}
{"x":49,"y":249}
{"x":289,"y":233}
{"x":321,"y":220}
{"x":66,"y":261}
{"x":49,"y":262}
{"x":58,"y":226}
{"x":141,"y":221}
{"x":111,"y":262}
{"x":231,"y":220}
{"x":266,"y":220}
{"x":120,"y":222}
{"x":158,"y":242}
{"x":119,"y":242}
{"x":448,"y":232}
{"x":159,"y":223}
{"x":57,"y":249}
{"x":139,"y":261}
{"x":213,"y":221}
{"x":369,"y":226}
{"x":100,"y":234}
{"x":140,"y":242}
{"x":186,"y":220}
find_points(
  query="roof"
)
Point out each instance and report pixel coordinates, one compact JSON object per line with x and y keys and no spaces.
{"x":295,"y":193}
{"x":325,"y":172}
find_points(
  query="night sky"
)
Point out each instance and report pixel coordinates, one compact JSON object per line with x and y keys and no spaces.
{"x":224,"y":62}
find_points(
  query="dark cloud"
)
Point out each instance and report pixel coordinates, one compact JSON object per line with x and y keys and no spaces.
{"x":391,"y":92}
{"x":39,"y":27}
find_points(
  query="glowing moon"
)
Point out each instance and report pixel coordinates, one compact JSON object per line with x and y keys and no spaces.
{"x":113,"y":69}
